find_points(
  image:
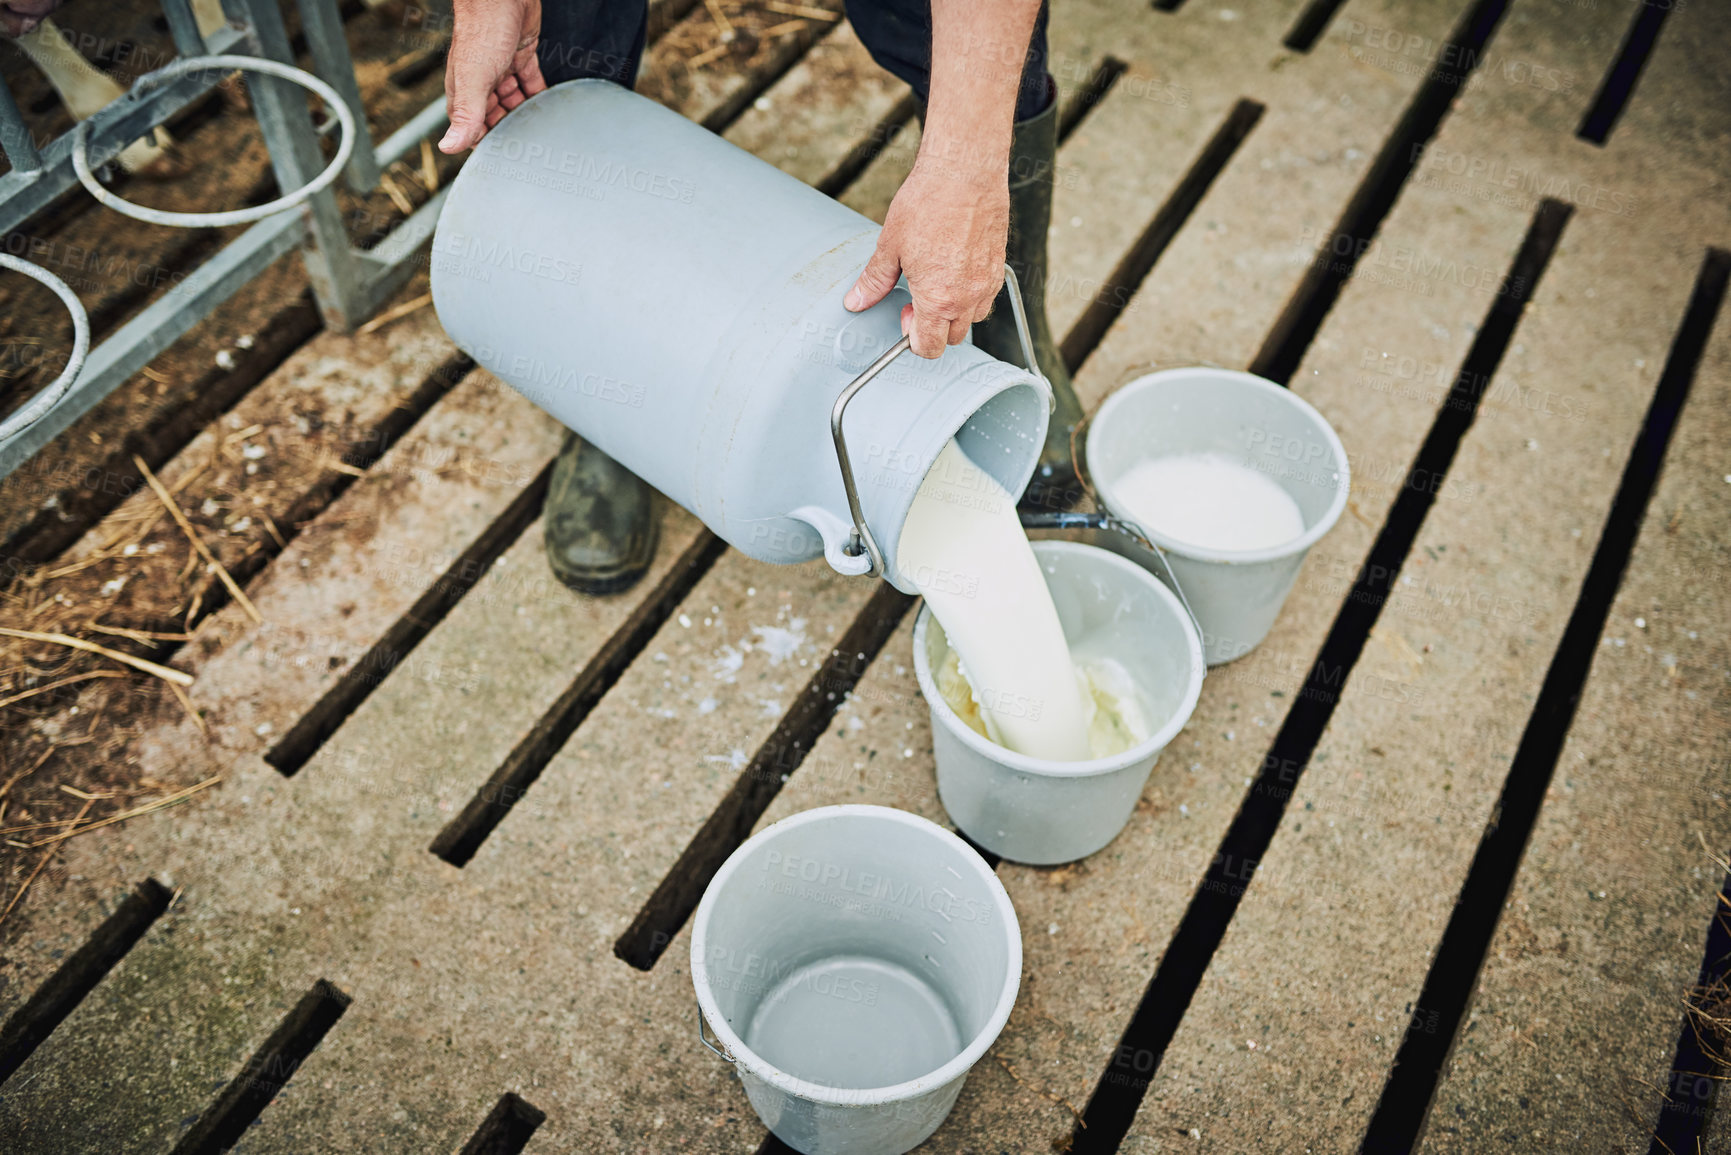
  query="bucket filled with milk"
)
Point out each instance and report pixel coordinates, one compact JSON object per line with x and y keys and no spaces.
{"x":1232,"y":477}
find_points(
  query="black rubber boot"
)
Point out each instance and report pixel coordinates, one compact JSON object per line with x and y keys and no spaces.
{"x":599,"y":523}
{"x":1033,"y":155}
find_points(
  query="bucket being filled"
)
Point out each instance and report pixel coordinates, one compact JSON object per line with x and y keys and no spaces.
{"x":1135,"y":644}
{"x":1233,"y":477}
{"x":854,"y":963}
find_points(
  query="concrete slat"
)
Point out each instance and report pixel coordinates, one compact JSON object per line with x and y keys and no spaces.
{"x":1623,"y":287}
{"x":1579,"y":1003}
{"x":832,"y":100}
{"x":1322,"y":974}
{"x":327,"y":401}
{"x":339,"y":585}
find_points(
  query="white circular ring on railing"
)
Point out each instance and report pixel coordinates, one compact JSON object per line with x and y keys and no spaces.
{"x":345,"y":117}
{"x":40,"y":404}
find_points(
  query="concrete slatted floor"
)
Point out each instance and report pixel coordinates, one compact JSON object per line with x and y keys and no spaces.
{"x":440,"y":896}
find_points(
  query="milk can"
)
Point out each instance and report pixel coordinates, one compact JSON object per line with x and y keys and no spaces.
{"x":678,"y":303}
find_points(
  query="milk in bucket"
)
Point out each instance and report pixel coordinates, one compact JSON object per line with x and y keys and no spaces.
{"x":1009,"y":672}
{"x":1210,"y":500}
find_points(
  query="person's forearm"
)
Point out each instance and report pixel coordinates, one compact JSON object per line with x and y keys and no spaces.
{"x":978,"y":50}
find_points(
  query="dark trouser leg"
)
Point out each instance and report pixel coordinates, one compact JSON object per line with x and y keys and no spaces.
{"x":584,"y":38}
{"x":599,"y":522}
{"x":898,"y":33}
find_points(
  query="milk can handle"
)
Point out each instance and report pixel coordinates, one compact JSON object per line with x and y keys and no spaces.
{"x":1074,"y":520}
{"x":861,"y":538}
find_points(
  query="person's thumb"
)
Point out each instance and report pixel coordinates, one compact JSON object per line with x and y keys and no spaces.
{"x":479,"y":55}
{"x":877,"y":280}
{"x":466,"y":102}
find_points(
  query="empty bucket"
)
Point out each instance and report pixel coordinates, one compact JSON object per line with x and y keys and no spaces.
{"x":1041,"y":812}
{"x":854,"y":963}
{"x":1235,"y":594}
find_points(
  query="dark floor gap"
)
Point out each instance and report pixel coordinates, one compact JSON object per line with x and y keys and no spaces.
{"x":55,"y":530}
{"x":60,"y":995}
{"x":1311,"y":24}
{"x":1122,"y":1085}
{"x":1406,"y":1096}
{"x":507,"y":1128}
{"x":1133,"y":267}
{"x":1703,"y":1054}
{"x":860,"y":157}
{"x":991,"y":857}
{"x":266,"y":1072}
{"x":1088,"y":97}
{"x":773,"y":1146}
{"x":789,"y":51}
{"x":1352,"y":235}
{"x":505,"y":787}
{"x":1619,"y":83}
{"x":466,"y":571}
{"x":757,"y":785}
{"x":665,"y":15}
{"x":1168,"y":5}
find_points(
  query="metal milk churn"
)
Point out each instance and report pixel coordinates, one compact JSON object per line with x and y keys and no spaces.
{"x":678,"y":302}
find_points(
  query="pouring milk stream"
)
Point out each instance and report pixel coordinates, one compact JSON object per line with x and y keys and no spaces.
{"x":963,"y":547}
{"x":965,"y":551}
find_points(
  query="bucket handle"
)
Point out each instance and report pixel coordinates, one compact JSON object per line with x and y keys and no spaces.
{"x":861,"y":539}
{"x":1105,"y":521}
{"x":703,"y":1037}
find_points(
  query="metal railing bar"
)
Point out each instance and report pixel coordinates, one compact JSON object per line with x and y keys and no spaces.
{"x":288,"y":132}
{"x":25,"y":192}
{"x":183,"y":27}
{"x":15,"y":139}
{"x":408,"y":138}
{"x":322,"y":25}
{"x":157,"y":326}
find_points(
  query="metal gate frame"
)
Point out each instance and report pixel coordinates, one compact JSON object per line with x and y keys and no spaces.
{"x":348,"y":283}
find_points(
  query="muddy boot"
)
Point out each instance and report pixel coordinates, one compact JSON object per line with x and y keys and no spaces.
{"x":599,"y":522}
{"x":1033,"y":153}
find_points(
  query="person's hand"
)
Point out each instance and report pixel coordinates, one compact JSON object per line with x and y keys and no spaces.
{"x":19,"y":17}
{"x":491,"y":67}
{"x":945,"y":231}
